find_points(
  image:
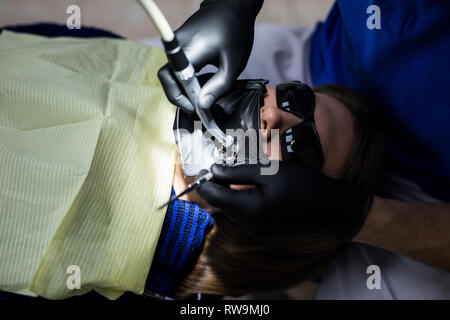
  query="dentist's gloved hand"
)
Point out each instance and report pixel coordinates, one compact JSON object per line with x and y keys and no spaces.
{"x":219,"y":33}
{"x":296,"y":201}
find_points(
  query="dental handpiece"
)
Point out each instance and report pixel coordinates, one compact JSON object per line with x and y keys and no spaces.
{"x":184,"y":71}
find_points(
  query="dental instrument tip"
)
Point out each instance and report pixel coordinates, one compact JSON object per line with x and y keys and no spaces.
{"x":205,"y":178}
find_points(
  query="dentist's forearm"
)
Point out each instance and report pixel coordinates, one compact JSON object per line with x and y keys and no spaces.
{"x":420,"y":231}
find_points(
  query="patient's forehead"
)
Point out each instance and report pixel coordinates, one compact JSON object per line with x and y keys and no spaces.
{"x":335,"y":127}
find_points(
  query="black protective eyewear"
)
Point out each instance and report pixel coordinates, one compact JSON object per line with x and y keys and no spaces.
{"x":301,"y":142}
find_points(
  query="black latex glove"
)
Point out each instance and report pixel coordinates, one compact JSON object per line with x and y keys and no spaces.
{"x":219,"y":33}
{"x":296,"y":201}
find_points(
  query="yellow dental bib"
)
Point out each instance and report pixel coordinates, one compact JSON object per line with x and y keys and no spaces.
{"x":86,"y":157}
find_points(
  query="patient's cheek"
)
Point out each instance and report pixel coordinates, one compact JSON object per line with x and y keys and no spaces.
{"x":212,"y":210}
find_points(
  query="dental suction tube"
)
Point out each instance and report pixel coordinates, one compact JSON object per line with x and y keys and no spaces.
{"x":184,"y":70}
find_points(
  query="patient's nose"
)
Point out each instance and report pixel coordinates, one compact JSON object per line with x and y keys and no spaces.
{"x":274,"y":118}
{"x":271,"y":118}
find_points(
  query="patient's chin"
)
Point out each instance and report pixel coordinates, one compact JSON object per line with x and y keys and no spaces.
{"x":212,"y":209}
{"x":242,"y":186}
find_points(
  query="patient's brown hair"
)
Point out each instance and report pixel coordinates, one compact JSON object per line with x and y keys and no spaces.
{"x":232,"y":263}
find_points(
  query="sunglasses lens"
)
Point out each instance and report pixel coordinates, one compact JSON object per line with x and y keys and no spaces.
{"x":301,"y":143}
{"x":296,"y":98}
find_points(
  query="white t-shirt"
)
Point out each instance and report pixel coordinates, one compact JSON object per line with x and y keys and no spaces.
{"x":400,"y":277}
